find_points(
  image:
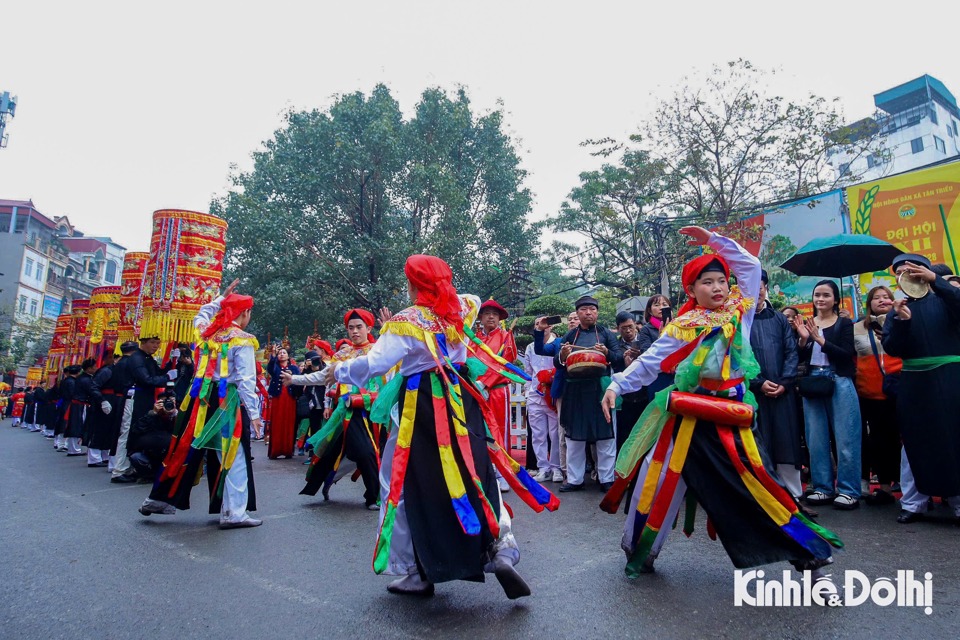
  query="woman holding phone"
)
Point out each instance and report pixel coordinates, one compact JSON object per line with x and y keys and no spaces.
{"x":656,"y":316}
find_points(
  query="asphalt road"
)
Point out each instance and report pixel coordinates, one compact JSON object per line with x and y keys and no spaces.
{"x":78,"y":561}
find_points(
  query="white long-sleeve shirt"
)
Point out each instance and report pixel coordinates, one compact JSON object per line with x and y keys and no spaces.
{"x":241,"y":360}
{"x":645,"y":369}
{"x":410,"y":352}
{"x":534,"y":364}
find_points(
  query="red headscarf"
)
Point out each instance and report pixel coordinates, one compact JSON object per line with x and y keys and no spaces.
{"x":433,"y":280}
{"x":692,"y":271}
{"x":341,"y":342}
{"x":363,"y":314}
{"x":230,"y":309}
{"x":324,"y":346}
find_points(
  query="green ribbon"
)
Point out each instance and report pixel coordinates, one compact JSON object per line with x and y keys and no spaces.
{"x":929,"y":363}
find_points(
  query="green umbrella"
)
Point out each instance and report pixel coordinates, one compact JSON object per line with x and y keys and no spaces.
{"x":844,"y":254}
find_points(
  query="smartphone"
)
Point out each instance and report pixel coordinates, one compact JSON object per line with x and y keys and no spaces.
{"x":666,"y":314}
{"x":553,"y":319}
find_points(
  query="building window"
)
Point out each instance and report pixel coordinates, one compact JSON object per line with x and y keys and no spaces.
{"x":916,"y":145}
{"x":939,"y":144}
{"x":20,"y":225}
{"x":933,"y":115}
{"x":956,"y":130}
{"x":111,"y":272}
{"x":844,"y":169}
{"x":33,"y":308}
{"x":28,"y":270}
{"x":22,"y":306}
{"x":875,"y":160}
{"x":39,"y":270}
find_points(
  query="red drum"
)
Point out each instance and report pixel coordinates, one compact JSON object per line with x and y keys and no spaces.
{"x":716,"y":410}
{"x":359,"y":400}
{"x":586,"y":364}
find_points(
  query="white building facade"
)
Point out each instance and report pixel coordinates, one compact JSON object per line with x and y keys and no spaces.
{"x":917,"y":124}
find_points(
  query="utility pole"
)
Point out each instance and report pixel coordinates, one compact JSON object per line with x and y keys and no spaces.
{"x":659,"y":240}
{"x":521,"y":286}
{"x":8,"y":107}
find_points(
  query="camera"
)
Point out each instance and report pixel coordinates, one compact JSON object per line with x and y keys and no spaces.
{"x":169,"y":404}
{"x":316,"y":362}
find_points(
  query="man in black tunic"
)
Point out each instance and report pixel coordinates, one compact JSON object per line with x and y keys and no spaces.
{"x":145,"y":378}
{"x":98,"y":429}
{"x":775,"y":347}
{"x":925,"y":332}
{"x":76,"y":412}
{"x":633,"y":403}
{"x":68,"y":387}
{"x":580,"y":413}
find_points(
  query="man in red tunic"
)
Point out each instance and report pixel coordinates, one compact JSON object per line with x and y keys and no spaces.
{"x":501,"y":342}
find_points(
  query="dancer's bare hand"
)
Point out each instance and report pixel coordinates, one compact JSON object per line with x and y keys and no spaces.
{"x":699,"y":236}
{"x":608,"y":404}
{"x":233,"y":285}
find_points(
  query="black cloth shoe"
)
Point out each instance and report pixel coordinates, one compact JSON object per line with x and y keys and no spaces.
{"x":566,"y":487}
{"x":605,"y":486}
{"x":411,"y":585}
{"x":511,"y":581}
{"x":123,"y":479}
{"x":907,"y":517}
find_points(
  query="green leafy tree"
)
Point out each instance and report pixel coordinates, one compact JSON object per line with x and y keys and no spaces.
{"x":339,"y":198}
{"x":731,"y":144}
{"x":625,"y":245}
{"x":23,"y":339}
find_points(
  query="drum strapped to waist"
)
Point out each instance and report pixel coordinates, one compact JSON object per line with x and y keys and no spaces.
{"x":361,"y":400}
{"x":720,"y":411}
{"x":586,"y":363}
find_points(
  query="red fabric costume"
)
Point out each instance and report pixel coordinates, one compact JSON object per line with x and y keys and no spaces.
{"x":501,"y":342}
{"x":18,"y":401}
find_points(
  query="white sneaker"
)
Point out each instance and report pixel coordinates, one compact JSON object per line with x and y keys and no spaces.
{"x":504,"y":486}
{"x":557,"y":475}
{"x":542,"y":476}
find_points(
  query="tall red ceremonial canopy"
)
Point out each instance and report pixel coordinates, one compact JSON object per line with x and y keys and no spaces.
{"x":131,"y":295}
{"x":183,"y":273}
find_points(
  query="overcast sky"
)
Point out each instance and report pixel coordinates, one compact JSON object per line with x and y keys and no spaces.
{"x":128,"y":107}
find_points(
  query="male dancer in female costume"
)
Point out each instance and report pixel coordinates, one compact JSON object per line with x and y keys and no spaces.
{"x":348,"y":431}
{"x":696,"y":438}
{"x":442,"y":517}
{"x":226,"y":352}
{"x":501,"y":342}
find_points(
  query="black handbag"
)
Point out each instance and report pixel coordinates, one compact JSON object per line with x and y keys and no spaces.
{"x":816,"y":386}
{"x":303,"y":407}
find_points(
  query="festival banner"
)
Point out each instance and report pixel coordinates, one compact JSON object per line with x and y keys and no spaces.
{"x":776,"y":234}
{"x":919,"y":212}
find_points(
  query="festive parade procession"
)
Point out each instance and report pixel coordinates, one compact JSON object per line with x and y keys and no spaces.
{"x":391,"y":381}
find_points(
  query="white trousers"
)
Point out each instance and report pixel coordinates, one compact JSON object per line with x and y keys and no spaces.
{"x":73,"y":445}
{"x":235,"y":492}
{"x":96,"y":456}
{"x":59,"y":442}
{"x":791,"y":479}
{"x":627,"y":543}
{"x":577,"y":460}
{"x":912,"y":500}
{"x":121,"y":462}
{"x":545,"y":433}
